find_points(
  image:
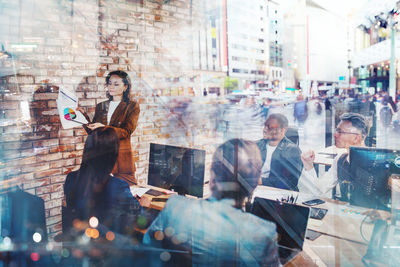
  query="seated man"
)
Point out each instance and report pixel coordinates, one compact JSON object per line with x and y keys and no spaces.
{"x":282,"y":165}
{"x":216,"y":231}
{"x":351,"y":131}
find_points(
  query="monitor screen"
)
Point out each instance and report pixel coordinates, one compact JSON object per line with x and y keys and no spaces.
{"x":21,"y":216}
{"x":177,"y":168}
{"x":291,"y":220}
{"x":370,"y":169}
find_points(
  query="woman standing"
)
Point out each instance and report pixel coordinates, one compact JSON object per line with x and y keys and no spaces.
{"x":122,"y":114}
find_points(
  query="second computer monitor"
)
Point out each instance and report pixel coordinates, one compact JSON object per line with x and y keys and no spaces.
{"x":177,"y":168}
{"x":370,"y":169}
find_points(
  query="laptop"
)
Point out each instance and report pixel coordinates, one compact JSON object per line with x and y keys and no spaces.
{"x":291,"y":223}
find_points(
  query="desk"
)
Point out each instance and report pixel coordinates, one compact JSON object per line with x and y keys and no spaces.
{"x":341,"y":242}
{"x":157,"y":205}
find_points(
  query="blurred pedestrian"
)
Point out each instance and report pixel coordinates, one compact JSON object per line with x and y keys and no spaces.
{"x":300,"y":110}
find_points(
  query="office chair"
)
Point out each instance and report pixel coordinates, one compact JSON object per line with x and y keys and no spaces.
{"x":293,"y":135}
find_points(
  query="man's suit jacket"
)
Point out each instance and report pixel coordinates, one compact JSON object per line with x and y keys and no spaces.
{"x":124,"y":121}
{"x":286,"y":164}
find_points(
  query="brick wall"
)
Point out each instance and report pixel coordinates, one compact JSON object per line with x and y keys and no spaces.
{"x":74,"y":44}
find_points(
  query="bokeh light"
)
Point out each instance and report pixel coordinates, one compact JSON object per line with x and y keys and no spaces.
{"x":159,"y":235}
{"x":165,"y":256}
{"x":37,"y":237}
{"x":93,"y":222}
{"x":141,"y":221}
{"x":65,"y":253}
{"x":110,"y":236}
{"x":169,"y":231}
{"x":35,"y":256}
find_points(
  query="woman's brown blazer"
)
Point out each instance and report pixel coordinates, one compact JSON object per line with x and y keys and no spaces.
{"x":124,"y":121}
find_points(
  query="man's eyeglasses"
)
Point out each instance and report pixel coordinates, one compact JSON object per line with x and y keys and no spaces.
{"x":276,"y":129}
{"x":340,"y":131}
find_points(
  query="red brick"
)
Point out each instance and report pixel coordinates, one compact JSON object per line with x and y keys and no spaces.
{"x":68,"y":155}
{"x":70,"y":169}
{"x":44,"y":190}
{"x":151,"y":131}
{"x":45,"y":197}
{"x":54,"y":119}
{"x":20,"y":79}
{"x":55,"y":228}
{"x":62,"y":163}
{"x":55,"y":211}
{"x":47,"y":173}
{"x":49,"y":157}
{"x":58,"y":179}
{"x":52,"y":104}
{"x":53,"y":219}
{"x":25,"y":177}
{"x":36,"y":167}
{"x":57,"y":188}
{"x":62,"y":148}
{"x":59,"y":194}
{"x":23,"y":161}
{"x":70,"y":140}
{"x":45,"y":96}
{"x":36,"y":183}
{"x":45,"y":143}
{"x":35,"y":136}
{"x":39,"y":104}
{"x":47,"y":128}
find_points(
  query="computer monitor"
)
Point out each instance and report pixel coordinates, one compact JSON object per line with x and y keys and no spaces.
{"x":370,"y":169}
{"x":177,"y":168}
{"x":21,"y":216}
{"x":291,"y":220}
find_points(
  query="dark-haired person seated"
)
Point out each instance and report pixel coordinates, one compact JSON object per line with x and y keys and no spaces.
{"x":282,"y":164}
{"x":216,"y":231}
{"x":94,"y":191}
{"x":351,"y":131}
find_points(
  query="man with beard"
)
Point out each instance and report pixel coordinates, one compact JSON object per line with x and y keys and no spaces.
{"x":282,"y":165}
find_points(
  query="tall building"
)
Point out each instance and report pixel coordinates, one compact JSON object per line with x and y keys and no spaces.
{"x":247,"y":42}
{"x":275,"y":22}
{"x":209,"y":42}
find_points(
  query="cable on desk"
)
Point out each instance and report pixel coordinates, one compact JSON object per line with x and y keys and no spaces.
{"x":361,"y":226}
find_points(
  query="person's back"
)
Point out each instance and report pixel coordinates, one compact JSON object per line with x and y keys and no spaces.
{"x":93,"y":191}
{"x":115,"y":207}
{"x":215,"y":232}
{"x":385,"y":114}
{"x":300,"y":111}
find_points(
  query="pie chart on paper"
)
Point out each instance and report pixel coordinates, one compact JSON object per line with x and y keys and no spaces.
{"x":69,"y":114}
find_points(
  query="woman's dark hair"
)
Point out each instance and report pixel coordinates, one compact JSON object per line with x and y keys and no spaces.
{"x":237,"y":169}
{"x":125,"y":78}
{"x":99,"y":156}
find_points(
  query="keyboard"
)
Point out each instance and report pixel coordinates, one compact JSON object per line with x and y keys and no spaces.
{"x":318,"y":213}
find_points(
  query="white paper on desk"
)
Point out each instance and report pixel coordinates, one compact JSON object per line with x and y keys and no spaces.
{"x":139,"y":191}
{"x":268,"y":193}
{"x":67,"y":103}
